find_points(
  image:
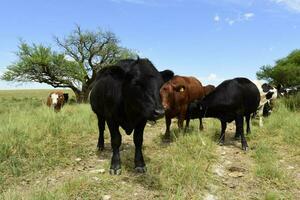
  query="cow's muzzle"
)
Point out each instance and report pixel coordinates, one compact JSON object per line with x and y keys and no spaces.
{"x":158,"y":113}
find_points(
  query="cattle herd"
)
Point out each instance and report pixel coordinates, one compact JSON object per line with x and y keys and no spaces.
{"x":133,"y":91}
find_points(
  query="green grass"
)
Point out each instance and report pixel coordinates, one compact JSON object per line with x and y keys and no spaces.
{"x":37,"y":143}
{"x":33,"y":137}
{"x":292,"y":102}
{"x":278,"y":140}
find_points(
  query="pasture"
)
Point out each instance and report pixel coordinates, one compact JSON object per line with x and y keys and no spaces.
{"x":48,"y":155}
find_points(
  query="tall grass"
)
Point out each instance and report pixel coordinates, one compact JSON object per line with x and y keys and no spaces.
{"x":34,"y":137}
{"x":292,"y":102}
{"x":278,"y":140}
{"x":185,"y":172}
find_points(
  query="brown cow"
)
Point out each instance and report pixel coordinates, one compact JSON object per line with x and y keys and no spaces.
{"x":176,"y":94}
{"x":57,"y":99}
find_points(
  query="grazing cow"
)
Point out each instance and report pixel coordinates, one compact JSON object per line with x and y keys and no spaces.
{"x":208,"y":89}
{"x":127,"y":95}
{"x":193,"y":110}
{"x":267,"y":109}
{"x":233,"y":99}
{"x":57,"y":100}
{"x":176,"y":94}
{"x":287,"y":91}
{"x":267,"y":95}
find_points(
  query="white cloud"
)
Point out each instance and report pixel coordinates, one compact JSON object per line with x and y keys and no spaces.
{"x":239,"y":18}
{"x":290,"y":4}
{"x":248,"y":16}
{"x":231,"y":22}
{"x":211,"y":77}
{"x":217,"y":18}
{"x":130,"y":1}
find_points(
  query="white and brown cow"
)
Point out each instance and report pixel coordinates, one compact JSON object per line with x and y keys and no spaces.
{"x":57,"y":99}
{"x":267,"y":95}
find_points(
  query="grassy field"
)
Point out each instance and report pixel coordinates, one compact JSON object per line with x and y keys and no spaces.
{"x":47,"y":155}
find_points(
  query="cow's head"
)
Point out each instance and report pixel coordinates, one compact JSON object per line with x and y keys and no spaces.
{"x":170,"y":92}
{"x":141,"y":90}
{"x":270,"y":92}
{"x":56,"y":100}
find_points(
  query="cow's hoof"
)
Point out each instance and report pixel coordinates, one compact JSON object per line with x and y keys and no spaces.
{"x":100,"y":148}
{"x":221,"y":143}
{"x":115,"y":171}
{"x":140,"y":169}
{"x":245,"y":148}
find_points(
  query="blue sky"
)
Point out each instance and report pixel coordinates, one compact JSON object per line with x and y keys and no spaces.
{"x":213,"y":40}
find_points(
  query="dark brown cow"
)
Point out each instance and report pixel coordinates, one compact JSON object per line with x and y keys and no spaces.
{"x":193,"y":110}
{"x":208,"y":89}
{"x":57,"y":99}
{"x":176,"y":94}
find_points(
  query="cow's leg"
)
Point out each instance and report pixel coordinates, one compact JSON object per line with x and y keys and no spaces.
{"x":168,"y":124}
{"x":248,"y":123}
{"x":240,"y":130}
{"x":222,"y":136}
{"x":101,"y":127}
{"x":187,"y":123}
{"x":200,"y":124}
{"x":237,"y":133}
{"x":116,"y":138}
{"x":138,"y":141}
{"x":260,"y":116}
{"x":180,"y":122}
{"x":181,"y":117}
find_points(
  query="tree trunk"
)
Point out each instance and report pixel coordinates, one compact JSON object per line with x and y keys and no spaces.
{"x":83,"y":95}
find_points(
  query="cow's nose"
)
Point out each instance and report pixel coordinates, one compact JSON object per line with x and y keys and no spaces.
{"x":165,"y":106}
{"x":159,"y":113}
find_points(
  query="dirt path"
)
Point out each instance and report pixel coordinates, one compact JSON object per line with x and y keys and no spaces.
{"x":232,"y":171}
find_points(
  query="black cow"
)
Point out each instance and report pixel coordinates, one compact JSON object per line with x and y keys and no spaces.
{"x":232,"y":100}
{"x":127,"y":95}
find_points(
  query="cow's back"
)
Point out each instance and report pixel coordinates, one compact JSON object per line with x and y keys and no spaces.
{"x":251,"y":95}
{"x":235,"y":96}
{"x":196,"y":90}
{"x":193,"y":87}
{"x":208,"y":89}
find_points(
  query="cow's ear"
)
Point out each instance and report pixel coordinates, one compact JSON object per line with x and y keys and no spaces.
{"x":166,"y":75}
